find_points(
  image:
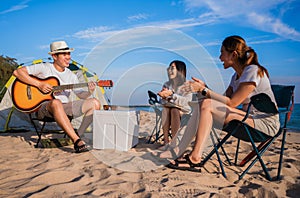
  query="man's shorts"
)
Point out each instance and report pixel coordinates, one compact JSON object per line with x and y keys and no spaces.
{"x":72,"y":109}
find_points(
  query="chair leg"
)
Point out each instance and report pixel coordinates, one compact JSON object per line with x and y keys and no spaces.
{"x":36,"y":130}
{"x":150,"y":137}
{"x":237,"y":151}
{"x":252,"y":153}
{"x":218,"y":155}
{"x":259,"y":158}
{"x":215,"y":150}
{"x":281,"y":153}
{"x":217,"y":147}
{"x":153,"y":131}
{"x":156,"y":130}
{"x":223,"y":150}
{"x":39,"y":133}
{"x":255,"y":160}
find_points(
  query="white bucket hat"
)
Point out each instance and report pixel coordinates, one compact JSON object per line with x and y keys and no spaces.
{"x":59,"y":47}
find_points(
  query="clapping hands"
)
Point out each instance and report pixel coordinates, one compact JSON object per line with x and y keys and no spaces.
{"x":165,"y":93}
{"x":194,"y":85}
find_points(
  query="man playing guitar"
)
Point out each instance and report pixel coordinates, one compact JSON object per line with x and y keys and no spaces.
{"x":60,"y":107}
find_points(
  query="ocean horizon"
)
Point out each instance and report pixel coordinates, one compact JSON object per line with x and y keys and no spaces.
{"x":293,"y":124}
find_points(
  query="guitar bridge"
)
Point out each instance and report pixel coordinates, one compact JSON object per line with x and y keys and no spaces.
{"x":29,"y":92}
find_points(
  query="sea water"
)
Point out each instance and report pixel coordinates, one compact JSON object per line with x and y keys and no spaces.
{"x":293,"y":124}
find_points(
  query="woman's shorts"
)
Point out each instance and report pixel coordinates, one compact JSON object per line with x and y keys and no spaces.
{"x":266,"y":123}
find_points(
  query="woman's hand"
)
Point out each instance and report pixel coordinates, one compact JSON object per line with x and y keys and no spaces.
{"x":197,"y":85}
{"x":164,"y":93}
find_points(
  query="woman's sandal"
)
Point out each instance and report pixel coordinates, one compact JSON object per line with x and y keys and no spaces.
{"x":80,"y":149}
{"x":192,"y":166}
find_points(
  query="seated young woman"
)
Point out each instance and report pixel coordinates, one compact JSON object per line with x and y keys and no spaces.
{"x":173,"y":93}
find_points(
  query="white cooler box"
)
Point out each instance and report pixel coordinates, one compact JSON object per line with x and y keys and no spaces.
{"x":115,"y":129}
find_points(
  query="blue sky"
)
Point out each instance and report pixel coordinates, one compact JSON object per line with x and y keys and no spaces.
{"x":133,"y":41}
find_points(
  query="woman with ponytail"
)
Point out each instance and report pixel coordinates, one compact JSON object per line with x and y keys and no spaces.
{"x":216,"y":110}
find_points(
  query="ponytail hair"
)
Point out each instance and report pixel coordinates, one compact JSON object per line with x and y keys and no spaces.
{"x":246,"y":55}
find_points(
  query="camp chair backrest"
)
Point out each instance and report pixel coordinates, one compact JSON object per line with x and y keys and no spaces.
{"x":283,"y":94}
{"x":152,"y":98}
{"x":263,"y":103}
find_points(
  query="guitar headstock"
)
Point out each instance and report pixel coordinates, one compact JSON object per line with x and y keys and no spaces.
{"x":105,"y":83}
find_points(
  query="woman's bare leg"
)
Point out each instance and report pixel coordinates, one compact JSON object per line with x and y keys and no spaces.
{"x":213,"y":114}
{"x":188,"y":135}
{"x":166,"y":114}
{"x":175,"y":121}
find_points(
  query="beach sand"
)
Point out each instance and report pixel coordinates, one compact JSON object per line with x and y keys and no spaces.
{"x":26,"y":171}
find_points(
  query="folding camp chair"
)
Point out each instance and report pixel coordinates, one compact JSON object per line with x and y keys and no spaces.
{"x":156,"y":132}
{"x":36,"y":122}
{"x":284,"y":96}
{"x":153,"y":101}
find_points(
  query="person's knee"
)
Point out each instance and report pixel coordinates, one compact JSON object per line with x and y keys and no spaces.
{"x":166,"y":110}
{"x":175,"y":111}
{"x":55,"y":104}
{"x":96,"y":104}
{"x":205,"y":105}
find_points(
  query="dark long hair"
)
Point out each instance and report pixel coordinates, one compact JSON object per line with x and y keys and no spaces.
{"x":246,"y":55}
{"x":180,"y":66}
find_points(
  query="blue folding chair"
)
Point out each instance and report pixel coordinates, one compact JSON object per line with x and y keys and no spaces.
{"x":284,"y":96}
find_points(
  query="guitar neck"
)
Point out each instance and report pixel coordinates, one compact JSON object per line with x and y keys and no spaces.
{"x":69,"y":86}
{"x":100,"y":83}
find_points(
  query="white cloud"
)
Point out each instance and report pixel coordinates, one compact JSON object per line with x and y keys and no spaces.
{"x":14,"y":8}
{"x":99,"y":33}
{"x":256,"y":13}
{"x":184,"y":23}
{"x":95,"y":33}
{"x":274,"y":25}
{"x":138,"y":17}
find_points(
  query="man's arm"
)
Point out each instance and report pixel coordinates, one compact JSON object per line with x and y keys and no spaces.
{"x":23,"y":75}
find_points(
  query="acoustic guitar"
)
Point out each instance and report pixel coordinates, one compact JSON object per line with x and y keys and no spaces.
{"x":28,"y":98}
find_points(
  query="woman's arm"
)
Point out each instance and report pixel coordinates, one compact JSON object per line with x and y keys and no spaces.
{"x":229,"y":92}
{"x":234,"y":99}
{"x":243,"y":91}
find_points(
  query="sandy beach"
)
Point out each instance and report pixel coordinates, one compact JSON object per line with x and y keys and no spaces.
{"x":26,"y":171}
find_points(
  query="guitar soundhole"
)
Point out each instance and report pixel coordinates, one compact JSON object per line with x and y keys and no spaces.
{"x":29,"y":92}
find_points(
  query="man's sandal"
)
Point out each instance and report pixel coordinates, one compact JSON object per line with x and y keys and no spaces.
{"x":80,"y":149}
{"x":191,"y":166}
